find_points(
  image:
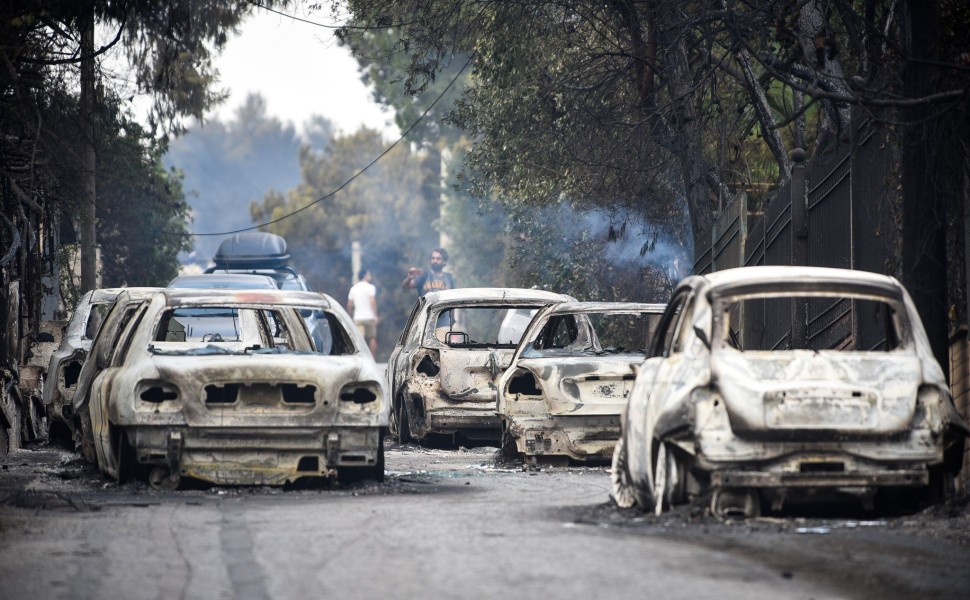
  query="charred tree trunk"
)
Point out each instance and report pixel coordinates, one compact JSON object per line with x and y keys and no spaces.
{"x":89,"y":263}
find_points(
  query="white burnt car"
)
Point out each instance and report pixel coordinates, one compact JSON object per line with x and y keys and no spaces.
{"x":770,"y":384}
{"x":65,"y":364}
{"x":443,"y":372}
{"x":571,"y":377}
{"x":227,"y":387}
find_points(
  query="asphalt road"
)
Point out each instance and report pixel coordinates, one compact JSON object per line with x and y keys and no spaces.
{"x":445,"y":524}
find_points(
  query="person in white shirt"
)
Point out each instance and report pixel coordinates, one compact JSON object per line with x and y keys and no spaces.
{"x":362,"y":305}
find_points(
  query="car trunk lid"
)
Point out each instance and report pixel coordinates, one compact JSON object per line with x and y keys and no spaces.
{"x":827,"y":391}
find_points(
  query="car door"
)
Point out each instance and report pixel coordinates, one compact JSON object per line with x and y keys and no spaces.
{"x":397,"y":362}
{"x":100,"y":392}
{"x":656,"y":377}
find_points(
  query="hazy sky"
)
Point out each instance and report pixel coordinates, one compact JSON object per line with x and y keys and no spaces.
{"x":300,"y":70}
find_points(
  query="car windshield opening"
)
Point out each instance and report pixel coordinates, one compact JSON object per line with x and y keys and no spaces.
{"x":594,"y":333}
{"x":481,"y":326}
{"x":211,"y":324}
{"x":811,"y":323}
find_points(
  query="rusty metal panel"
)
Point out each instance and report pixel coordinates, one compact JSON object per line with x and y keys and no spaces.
{"x":830,"y":211}
{"x":754,"y":245}
{"x":729,"y":235}
{"x":960,"y":389}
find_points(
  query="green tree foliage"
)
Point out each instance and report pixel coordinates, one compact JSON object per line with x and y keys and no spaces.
{"x":390,"y":209}
{"x":655,"y":107}
{"x":168,"y":48}
{"x":142,"y":213}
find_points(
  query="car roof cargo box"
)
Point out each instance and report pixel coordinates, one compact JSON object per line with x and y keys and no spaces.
{"x":252,"y":250}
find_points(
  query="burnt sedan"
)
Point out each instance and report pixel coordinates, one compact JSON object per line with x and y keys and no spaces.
{"x":770,"y":384}
{"x":64,"y":370}
{"x":227,"y":387}
{"x":443,"y":372}
{"x":571,"y":377}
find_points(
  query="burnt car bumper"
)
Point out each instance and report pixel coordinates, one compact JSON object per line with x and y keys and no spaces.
{"x":453,"y":420}
{"x":587,"y":437}
{"x":256,"y":456}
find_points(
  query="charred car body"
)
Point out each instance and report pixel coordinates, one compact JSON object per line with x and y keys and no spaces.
{"x":443,"y":372}
{"x":228,"y":387}
{"x":571,"y":377}
{"x":65,"y":364}
{"x":94,"y":327}
{"x":721,"y":407}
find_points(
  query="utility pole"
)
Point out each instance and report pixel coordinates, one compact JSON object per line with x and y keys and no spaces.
{"x":89,"y":263}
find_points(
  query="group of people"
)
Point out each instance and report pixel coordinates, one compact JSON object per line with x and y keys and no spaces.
{"x":362,"y":298}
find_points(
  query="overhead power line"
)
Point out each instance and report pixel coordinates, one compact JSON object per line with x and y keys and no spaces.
{"x":355,"y":175}
{"x":318,"y":24}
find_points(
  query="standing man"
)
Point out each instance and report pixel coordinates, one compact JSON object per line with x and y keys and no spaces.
{"x":362,"y":304}
{"x":433,"y":279}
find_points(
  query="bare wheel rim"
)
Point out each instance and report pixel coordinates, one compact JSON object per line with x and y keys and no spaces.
{"x":622,"y":489}
{"x":162,"y":479}
{"x":660,"y":482}
{"x":392,"y":422}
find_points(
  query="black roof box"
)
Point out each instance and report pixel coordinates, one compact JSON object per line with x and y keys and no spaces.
{"x":252,"y":250}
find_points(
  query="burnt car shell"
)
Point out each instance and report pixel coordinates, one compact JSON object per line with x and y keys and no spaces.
{"x":125,"y":306}
{"x":564,"y":398}
{"x":444,"y":382}
{"x":264,"y":408}
{"x":65,"y":363}
{"x":712,"y":412}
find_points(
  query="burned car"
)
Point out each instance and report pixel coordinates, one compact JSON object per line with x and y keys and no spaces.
{"x":571,"y":377}
{"x":227,"y":387}
{"x":443,"y":372}
{"x":66,"y":364}
{"x":774,"y":384}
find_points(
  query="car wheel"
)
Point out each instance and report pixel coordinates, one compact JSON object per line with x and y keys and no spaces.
{"x":510,"y":451}
{"x":392,"y":427}
{"x":379,"y":467}
{"x":403,"y":425}
{"x":83,"y":442}
{"x":621,"y":490}
{"x":125,"y":457}
{"x":669,"y":478}
{"x":162,"y":479}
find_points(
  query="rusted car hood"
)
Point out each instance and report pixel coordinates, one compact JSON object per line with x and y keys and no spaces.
{"x":866,"y":393}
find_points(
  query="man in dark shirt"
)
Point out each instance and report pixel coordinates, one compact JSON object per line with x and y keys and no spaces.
{"x":433,"y":279}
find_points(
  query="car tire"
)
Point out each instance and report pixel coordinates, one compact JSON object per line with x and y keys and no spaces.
{"x":392,"y":427}
{"x":669,"y":483}
{"x":83,"y":442}
{"x":378,"y":471}
{"x":509,"y":449}
{"x":125,"y":457}
{"x":403,"y":425}
{"x":621,"y":491}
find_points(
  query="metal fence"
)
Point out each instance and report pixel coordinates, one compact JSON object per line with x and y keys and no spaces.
{"x":834,"y":213}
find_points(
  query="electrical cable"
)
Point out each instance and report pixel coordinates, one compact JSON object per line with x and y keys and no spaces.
{"x":355,"y":175}
{"x":324,"y":25}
